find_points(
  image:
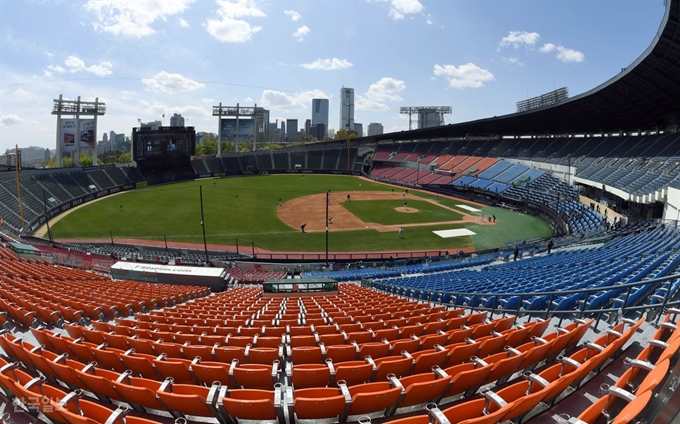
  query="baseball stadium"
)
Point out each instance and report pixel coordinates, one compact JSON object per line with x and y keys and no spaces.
{"x":522,"y":268}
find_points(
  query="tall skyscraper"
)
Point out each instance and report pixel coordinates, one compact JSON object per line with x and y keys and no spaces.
{"x":177,"y":120}
{"x":320,"y":112}
{"x":359,"y":129}
{"x":346,"y":109}
{"x":375,"y":128}
{"x":292,"y":129}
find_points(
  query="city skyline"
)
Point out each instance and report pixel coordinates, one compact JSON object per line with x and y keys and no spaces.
{"x":145,"y":60}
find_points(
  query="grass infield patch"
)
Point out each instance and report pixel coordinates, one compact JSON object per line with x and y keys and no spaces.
{"x":387,"y":212}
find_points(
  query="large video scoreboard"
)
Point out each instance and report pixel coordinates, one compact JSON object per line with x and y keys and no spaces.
{"x":163,"y":142}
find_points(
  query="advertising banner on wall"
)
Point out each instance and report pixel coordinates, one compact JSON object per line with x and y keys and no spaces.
{"x":246,"y":130}
{"x":70,"y":134}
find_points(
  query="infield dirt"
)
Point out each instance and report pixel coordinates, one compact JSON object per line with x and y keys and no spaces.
{"x":311,"y":210}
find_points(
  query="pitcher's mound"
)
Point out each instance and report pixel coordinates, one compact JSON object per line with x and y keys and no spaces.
{"x":406,"y":210}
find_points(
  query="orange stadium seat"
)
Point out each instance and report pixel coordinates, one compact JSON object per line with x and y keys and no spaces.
{"x":192,"y":400}
{"x":249,"y":404}
{"x":309,"y":375}
{"x":254,"y":376}
{"x":352,"y":372}
{"x":315,"y":404}
{"x":370,"y":397}
{"x":421,"y":388}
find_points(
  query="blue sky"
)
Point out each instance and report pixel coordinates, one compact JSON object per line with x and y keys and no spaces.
{"x":146,"y":58}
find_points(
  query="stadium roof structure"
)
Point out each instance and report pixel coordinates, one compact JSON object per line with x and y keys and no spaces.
{"x":644,"y":96}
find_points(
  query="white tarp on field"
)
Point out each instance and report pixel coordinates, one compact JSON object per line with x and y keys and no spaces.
{"x":468,"y":208}
{"x":458,"y":232}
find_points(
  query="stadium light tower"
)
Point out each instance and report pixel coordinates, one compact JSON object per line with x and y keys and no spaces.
{"x":256,"y":116}
{"x":425,"y":116}
{"x":71,"y":133}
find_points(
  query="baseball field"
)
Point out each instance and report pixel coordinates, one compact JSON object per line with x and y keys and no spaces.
{"x":270,"y":210}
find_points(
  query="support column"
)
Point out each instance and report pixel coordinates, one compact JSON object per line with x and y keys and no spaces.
{"x":219,"y":130}
{"x":255,"y":121}
{"x":60,"y":136}
{"x":94,"y":152}
{"x":76,"y":155}
{"x":237,"y":138}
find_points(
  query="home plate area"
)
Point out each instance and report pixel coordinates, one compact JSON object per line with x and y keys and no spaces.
{"x":458,"y":232}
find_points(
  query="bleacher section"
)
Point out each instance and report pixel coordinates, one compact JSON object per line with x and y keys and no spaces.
{"x":638,"y":165}
{"x":139,"y":353}
{"x":50,"y":189}
{"x":626,"y":259}
{"x":199,"y":166}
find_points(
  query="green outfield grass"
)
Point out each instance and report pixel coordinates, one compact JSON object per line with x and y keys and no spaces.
{"x":387,"y":212}
{"x":244,"y":208}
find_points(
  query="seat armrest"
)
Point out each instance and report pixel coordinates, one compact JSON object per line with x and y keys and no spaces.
{"x":636,"y":363}
{"x":492,"y":397}
{"x":436,"y":414}
{"x":166,"y":386}
{"x":118,"y":416}
{"x":621,"y":393}
{"x":439,"y":372}
{"x":512,"y":351}
{"x":478,"y":362}
{"x":535,"y":378}
{"x":658,"y":343}
{"x":71,"y":397}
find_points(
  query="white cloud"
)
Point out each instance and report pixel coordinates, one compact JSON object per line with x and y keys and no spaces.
{"x":101,"y":70}
{"x":294,"y":16}
{"x":171,"y":83}
{"x":229,"y":27}
{"x":7,"y":120}
{"x":56,"y":68}
{"x":518,"y":39}
{"x":386,"y":89}
{"x":156,"y":109}
{"x":23,"y":95}
{"x":328,"y":64}
{"x":75,"y":64}
{"x":301,"y":32}
{"x":281,"y":101}
{"x":513,"y":60}
{"x":132,"y":18}
{"x":208,"y":100}
{"x":48,"y":54}
{"x":363,"y":103}
{"x":127,"y":94}
{"x":183,"y":23}
{"x":564,"y":54}
{"x":468,"y":75}
{"x":400,"y":8}
{"x":547,"y":48}
{"x":379,"y":93}
{"x":193,"y":111}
